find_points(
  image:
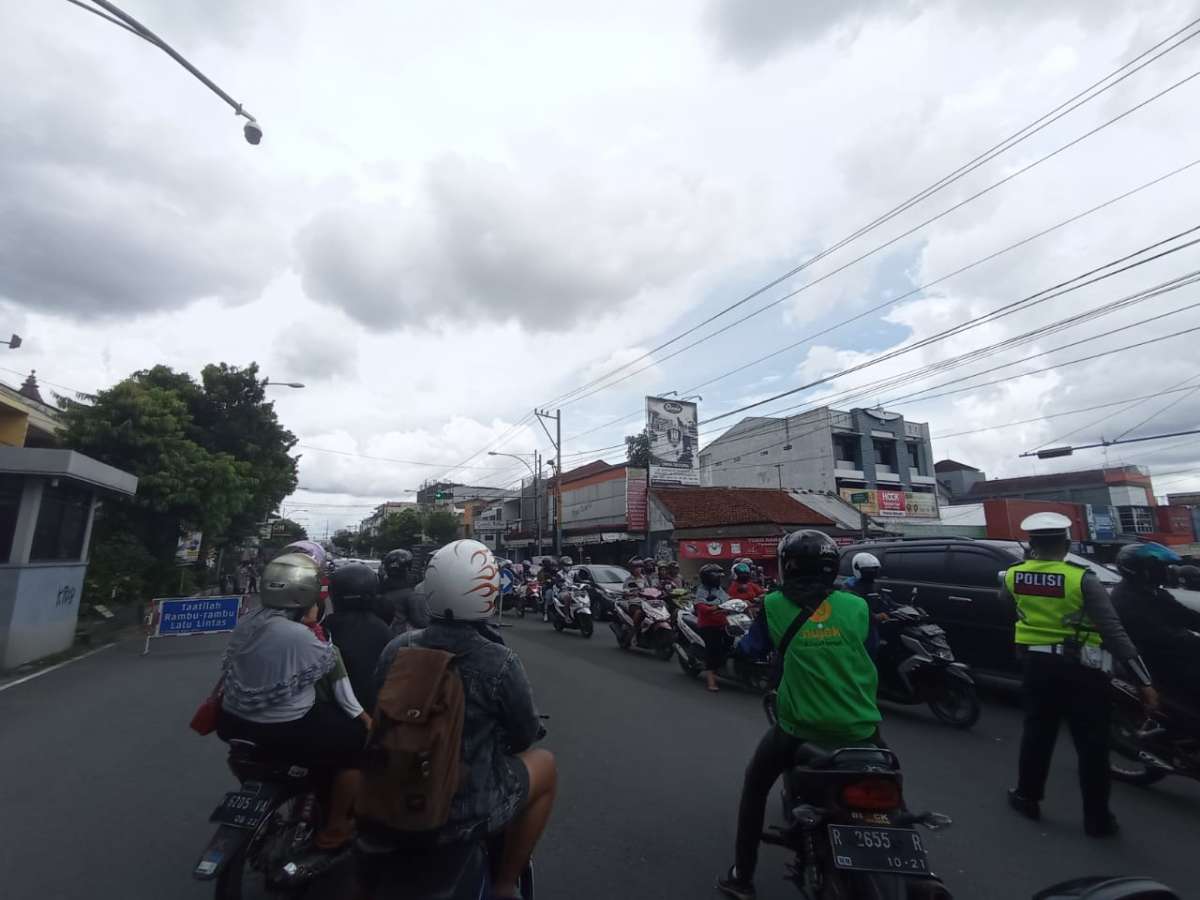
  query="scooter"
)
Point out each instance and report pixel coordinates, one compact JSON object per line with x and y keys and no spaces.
{"x":528,"y":597}
{"x":916,"y":665}
{"x":690,"y":650}
{"x":848,"y":828}
{"x":654,"y":633}
{"x":571,"y":607}
{"x":1147,"y":747}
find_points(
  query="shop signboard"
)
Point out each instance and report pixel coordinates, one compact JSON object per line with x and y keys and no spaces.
{"x":729,"y":548}
{"x":635,"y":499}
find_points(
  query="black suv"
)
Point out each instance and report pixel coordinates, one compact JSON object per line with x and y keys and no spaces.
{"x":958,"y":584}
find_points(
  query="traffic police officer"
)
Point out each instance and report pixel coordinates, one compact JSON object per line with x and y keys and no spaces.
{"x":1067,"y":634}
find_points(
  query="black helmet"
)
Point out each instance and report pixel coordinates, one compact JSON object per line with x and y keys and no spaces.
{"x":353,"y":587}
{"x":711,"y":575}
{"x":808,"y":555}
{"x":549,"y":563}
{"x":1147,"y":563}
{"x":396,"y":563}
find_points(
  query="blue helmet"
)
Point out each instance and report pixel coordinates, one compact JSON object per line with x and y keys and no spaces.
{"x":1147,"y":563}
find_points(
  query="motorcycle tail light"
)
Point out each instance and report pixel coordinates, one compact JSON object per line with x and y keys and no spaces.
{"x":872,"y":793}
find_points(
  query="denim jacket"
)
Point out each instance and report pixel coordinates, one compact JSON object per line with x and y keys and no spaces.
{"x":500,"y":720}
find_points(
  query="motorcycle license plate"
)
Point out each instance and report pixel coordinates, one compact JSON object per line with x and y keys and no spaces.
{"x":241,"y":810}
{"x":870,"y":849}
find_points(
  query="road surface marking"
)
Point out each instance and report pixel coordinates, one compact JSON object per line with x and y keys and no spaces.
{"x":46,"y":671}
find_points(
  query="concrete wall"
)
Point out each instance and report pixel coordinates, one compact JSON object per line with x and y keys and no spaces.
{"x":39,"y":607}
{"x":748,"y":458}
{"x":598,"y":500}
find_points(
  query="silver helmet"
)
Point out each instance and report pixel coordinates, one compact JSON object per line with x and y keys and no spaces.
{"x":290,"y":581}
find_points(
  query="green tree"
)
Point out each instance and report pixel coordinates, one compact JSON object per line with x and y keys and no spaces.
{"x":399,"y":529}
{"x":193,"y":470}
{"x":637,"y":450}
{"x":441,"y":526}
{"x":343,"y":539}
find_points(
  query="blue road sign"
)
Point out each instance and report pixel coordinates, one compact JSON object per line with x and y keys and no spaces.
{"x":197,"y":615}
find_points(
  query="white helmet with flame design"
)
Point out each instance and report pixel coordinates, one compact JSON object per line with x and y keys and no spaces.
{"x":462,"y":582}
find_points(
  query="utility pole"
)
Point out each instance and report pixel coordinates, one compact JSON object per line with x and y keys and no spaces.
{"x":556,"y":440}
{"x":779,"y":474}
{"x":537,"y":513}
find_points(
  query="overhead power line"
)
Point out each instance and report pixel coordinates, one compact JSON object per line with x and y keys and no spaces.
{"x":910,"y":293}
{"x":1099,"y":87}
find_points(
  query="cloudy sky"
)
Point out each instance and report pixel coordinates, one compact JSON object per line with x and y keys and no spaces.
{"x":461,"y":210}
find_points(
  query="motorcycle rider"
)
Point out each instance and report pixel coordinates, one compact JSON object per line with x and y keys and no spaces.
{"x":742,"y":587}
{"x":550,"y":578}
{"x":1161,"y":627}
{"x":711,"y":621}
{"x":509,"y":785}
{"x":355,"y":628}
{"x":827,"y":692}
{"x":1063,"y":615}
{"x":398,"y":604}
{"x":275,"y":672}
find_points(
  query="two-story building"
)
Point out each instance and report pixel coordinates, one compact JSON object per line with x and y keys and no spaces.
{"x":873,"y":458}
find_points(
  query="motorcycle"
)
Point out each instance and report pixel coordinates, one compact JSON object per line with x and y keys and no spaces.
{"x":528,"y":597}
{"x":654,"y":633}
{"x":571,"y":607}
{"x":1148,"y":747}
{"x":847,"y":826}
{"x":263,"y":845}
{"x":690,"y":651}
{"x":916,"y":665}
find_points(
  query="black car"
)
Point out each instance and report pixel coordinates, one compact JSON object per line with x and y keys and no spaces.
{"x":958,"y":584}
{"x":604,"y":586}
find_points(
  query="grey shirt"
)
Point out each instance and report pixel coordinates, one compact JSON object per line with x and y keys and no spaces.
{"x":1098,"y":608}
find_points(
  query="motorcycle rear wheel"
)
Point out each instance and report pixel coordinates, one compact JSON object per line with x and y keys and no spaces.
{"x":520,"y":610}
{"x":665,"y":650}
{"x":958,"y":705}
{"x":1123,"y":762}
{"x":586,"y":627}
{"x":243,"y":878}
{"x":556,"y":622}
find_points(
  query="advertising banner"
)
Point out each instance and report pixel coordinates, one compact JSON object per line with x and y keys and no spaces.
{"x":187,"y":551}
{"x":884,"y":503}
{"x":674,"y":441}
{"x":635,"y":500}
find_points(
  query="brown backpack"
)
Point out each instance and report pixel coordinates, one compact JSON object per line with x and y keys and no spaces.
{"x":412,"y":767}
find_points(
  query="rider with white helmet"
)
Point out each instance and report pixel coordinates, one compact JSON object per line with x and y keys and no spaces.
{"x":508,"y":786}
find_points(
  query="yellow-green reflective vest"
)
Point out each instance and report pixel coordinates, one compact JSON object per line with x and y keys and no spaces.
{"x":1049,"y":597}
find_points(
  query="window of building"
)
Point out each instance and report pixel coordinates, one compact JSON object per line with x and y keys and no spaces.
{"x":885,"y":455}
{"x":914,"y":455}
{"x":10,"y":501}
{"x":847,"y":452}
{"x":1136,"y":519}
{"x":61,"y":523}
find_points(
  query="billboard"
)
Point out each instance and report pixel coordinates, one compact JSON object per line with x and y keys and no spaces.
{"x":187,"y":550}
{"x":893,"y":503}
{"x":674,"y":441}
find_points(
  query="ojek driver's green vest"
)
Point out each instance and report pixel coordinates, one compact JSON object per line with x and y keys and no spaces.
{"x":1049,"y":597}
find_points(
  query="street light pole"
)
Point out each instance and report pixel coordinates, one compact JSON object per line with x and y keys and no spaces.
{"x":267,"y":382}
{"x":252,"y":130}
{"x":533,"y":470}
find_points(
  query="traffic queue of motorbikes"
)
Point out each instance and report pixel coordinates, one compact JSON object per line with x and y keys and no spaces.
{"x":654,"y":612}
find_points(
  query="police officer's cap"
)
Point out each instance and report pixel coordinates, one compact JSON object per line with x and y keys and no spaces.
{"x":1046,"y":524}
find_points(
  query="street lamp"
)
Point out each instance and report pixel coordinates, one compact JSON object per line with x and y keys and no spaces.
{"x":533,"y":470}
{"x":267,"y":382}
{"x":252,"y":130}
{"x":13,"y":343}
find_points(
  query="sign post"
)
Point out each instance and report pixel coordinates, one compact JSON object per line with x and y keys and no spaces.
{"x":182,"y":616}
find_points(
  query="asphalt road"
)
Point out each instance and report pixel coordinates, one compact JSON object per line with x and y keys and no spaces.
{"x":106,"y":792}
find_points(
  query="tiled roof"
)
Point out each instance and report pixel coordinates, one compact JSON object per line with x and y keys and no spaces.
{"x":1078,"y":478}
{"x":592,"y":468}
{"x":703,"y":507}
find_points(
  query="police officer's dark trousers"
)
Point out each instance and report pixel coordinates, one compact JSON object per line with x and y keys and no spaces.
{"x":1055,"y":689}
